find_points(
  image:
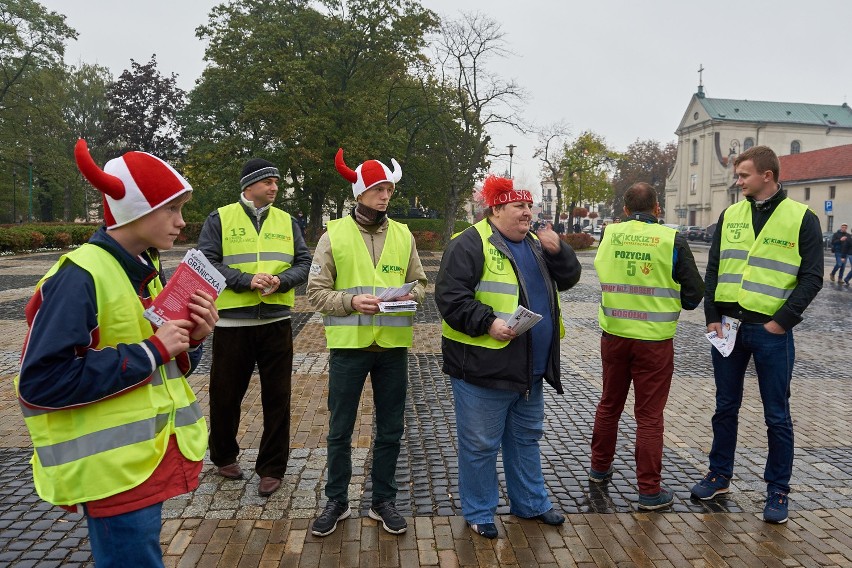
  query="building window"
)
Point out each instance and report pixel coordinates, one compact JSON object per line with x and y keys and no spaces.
{"x":795,"y":147}
{"x":748,"y":143}
{"x":807,"y":194}
{"x":694,"y":152}
{"x":832,"y":190}
{"x":693,"y":184}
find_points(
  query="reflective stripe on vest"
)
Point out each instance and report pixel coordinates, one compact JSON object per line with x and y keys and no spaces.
{"x":356,"y":274}
{"x":498,"y":288}
{"x":639,"y":297}
{"x":73,"y":448}
{"x":759,"y":273}
{"x":271,"y":252}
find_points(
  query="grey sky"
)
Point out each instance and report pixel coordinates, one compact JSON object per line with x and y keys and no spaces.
{"x":624,"y":69}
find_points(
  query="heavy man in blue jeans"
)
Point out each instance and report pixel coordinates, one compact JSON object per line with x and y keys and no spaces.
{"x":359,"y":257}
{"x":765,"y":267}
{"x":498,"y":376}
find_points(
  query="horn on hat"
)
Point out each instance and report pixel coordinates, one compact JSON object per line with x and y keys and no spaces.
{"x":108,"y":184}
{"x":397,"y":171}
{"x":347,"y":172}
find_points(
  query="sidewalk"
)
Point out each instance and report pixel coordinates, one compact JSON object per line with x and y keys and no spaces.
{"x":224,"y":523}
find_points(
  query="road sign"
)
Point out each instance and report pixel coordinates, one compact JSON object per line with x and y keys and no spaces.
{"x":828,"y":206}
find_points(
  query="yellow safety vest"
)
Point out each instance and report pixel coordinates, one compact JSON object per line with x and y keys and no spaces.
{"x":112,"y":445}
{"x":498,"y":287}
{"x":639,"y":297}
{"x":760,"y":273}
{"x":244,"y":249}
{"x":356,"y":274}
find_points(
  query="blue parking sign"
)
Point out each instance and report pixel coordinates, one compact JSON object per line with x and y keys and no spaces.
{"x":828,"y":206}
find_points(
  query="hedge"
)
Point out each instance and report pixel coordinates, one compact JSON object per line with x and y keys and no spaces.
{"x":18,"y":238}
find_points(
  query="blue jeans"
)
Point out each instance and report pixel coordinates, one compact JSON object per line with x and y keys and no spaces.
{"x":131,"y":539}
{"x":839,"y":264}
{"x":485,"y":420}
{"x":773,"y":360}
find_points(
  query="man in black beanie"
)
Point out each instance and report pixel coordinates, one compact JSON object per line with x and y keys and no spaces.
{"x":261,"y":270}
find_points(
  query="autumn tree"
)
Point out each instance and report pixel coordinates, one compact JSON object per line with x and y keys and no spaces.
{"x":143,"y":105}
{"x":645,"y":160}
{"x":587,"y":165}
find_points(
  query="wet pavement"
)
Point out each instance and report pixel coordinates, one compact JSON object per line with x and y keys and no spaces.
{"x":219,"y":522}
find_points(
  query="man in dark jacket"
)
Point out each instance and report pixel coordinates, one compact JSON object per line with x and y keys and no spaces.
{"x":839,"y":241}
{"x":487,"y":273}
{"x":261,"y":269}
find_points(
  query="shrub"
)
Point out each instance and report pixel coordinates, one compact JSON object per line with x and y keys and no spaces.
{"x":579,"y":241}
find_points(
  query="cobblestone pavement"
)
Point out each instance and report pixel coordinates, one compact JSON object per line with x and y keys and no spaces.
{"x":225,"y":523}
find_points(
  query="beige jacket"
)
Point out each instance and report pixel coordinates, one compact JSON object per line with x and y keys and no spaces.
{"x":321,"y":293}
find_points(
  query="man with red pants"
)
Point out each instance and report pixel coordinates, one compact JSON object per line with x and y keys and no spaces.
{"x":647,"y":274}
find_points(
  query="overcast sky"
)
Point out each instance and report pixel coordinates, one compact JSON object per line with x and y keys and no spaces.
{"x":624,"y":69}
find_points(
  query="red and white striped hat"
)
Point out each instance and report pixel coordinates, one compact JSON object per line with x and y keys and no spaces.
{"x":368,"y":174}
{"x":133,"y":185}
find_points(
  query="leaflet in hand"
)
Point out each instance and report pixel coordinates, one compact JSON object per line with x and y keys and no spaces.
{"x":522,"y":320}
{"x":398,"y":307}
{"x":391,"y":293}
{"x":725,"y":344}
{"x":193,"y":273}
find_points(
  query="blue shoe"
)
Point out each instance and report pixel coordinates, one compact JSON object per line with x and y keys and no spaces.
{"x":488,"y":530}
{"x":775,"y":510}
{"x":713,"y":484}
{"x":598,"y":477}
{"x":653,"y":502}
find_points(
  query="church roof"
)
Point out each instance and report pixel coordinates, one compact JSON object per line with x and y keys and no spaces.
{"x":830,"y":116}
{"x":828,"y":163}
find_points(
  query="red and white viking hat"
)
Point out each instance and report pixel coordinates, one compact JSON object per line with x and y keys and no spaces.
{"x":133,"y":185}
{"x":368,"y":174}
{"x":500,"y":190}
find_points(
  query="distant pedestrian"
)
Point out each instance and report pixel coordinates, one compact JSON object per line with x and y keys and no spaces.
{"x":838,"y":242}
{"x":487,"y":272}
{"x":638,"y":314}
{"x":766,"y":283}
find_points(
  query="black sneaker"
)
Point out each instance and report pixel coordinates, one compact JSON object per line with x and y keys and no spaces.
{"x":392,"y":521}
{"x":334,"y":511}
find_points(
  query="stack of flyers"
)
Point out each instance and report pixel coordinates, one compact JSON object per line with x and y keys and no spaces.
{"x":725,"y":344}
{"x":522,"y":320}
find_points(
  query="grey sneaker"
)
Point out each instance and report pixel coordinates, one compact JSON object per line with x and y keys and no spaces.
{"x":392,"y":521}
{"x":334,"y":511}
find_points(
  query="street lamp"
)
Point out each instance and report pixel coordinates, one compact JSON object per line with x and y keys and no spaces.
{"x":511,"y":153}
{"x":30,"y":161}
{"x":14,"y":194}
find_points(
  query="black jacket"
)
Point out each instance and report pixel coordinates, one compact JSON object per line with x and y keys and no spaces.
{"x":809,"y":277}
{"x":509,"y":368}
{"x":210,"y":243}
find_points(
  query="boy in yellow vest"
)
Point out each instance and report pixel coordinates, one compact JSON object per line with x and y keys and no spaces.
{"x":115,"y":426}
{"x":263,"y":256}
{"x":359,"y":256}
{"x":765,"y":267}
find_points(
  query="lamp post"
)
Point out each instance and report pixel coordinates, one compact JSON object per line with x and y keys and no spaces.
{"x":14,"y":194}
{"x":511,"y":153}
{"x":30,"y":161}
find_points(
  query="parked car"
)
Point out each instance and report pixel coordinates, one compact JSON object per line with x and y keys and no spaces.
{"x":694,"y":233}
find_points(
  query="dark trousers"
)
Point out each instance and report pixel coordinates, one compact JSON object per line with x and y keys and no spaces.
{"x":649,"y":366}
{"x":235,"y":351}
{"x":347,"y":370}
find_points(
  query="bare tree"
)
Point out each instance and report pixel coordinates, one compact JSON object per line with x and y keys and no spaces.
{"x":466,"y":99}
{"x":551,"y":152}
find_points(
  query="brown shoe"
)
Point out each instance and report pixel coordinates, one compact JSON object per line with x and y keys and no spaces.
{"x":268,"y":486}
{"x":231,"y":471}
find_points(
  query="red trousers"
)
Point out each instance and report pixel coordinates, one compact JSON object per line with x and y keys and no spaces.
{"x":649,"y":366}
